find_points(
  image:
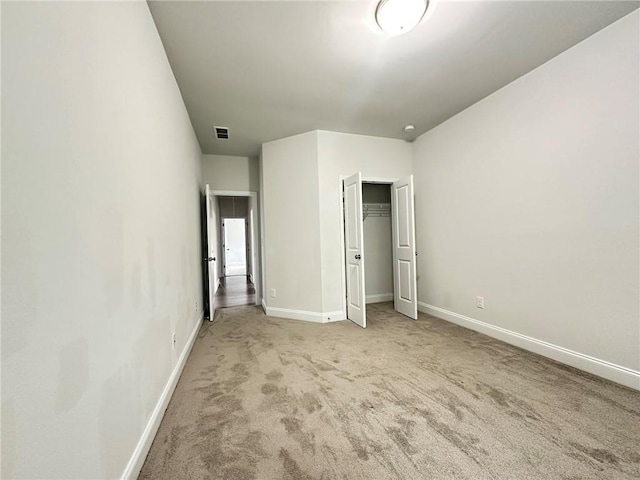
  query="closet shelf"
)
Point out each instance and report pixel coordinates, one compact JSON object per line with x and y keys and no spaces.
{"x":376,"y":210}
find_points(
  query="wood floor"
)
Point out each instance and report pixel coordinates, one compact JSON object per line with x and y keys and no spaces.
{"x":235,"y":291}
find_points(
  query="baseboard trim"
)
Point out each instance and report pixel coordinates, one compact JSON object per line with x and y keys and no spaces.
{"x":336,"y":316}
{"x":616,"y":373}
{"x":380,"y":297}
{"x":139,"y":455}
{"x":294,"y":314}
{"x":304,"y":315}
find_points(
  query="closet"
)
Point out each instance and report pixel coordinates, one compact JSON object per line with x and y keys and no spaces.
{"x":379,"y":245}
{"x":378,"y":253}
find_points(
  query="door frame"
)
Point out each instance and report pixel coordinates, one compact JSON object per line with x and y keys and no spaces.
{"x":255,"y":242}
{"x":365,"y":179}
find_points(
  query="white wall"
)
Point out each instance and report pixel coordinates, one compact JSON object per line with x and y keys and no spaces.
{"x":378,"y":259}
{"x":529,"y":198}
{"x":341,"y":155}
{"x":291,"y":225}
{"x":101,"y":234}
{"x":302,"y":193}
{"x":224,"y":172}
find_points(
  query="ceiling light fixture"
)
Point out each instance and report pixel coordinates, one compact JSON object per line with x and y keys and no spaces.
{"x":396,"y":17}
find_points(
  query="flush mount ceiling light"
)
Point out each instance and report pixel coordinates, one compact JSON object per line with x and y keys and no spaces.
{"x":396,"y":17}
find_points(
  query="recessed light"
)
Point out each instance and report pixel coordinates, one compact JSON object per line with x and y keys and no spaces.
{"x":396,"y":17}
{"x":409,"y":128}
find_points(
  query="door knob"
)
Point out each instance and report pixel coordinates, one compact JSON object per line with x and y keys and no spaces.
{"x":358,"y":257}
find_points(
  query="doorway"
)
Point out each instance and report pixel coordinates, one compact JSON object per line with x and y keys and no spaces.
{"x":378,"y":252}
{"x":233,"y":265}
{"x":234,"y":246}
{"x":379,"y":246}
{"x":236,"y":275}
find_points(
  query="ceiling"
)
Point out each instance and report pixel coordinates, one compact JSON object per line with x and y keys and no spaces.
{"x":272,"y":69}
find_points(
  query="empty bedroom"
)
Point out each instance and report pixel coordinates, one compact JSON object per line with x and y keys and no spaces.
{"x":368,"y":239}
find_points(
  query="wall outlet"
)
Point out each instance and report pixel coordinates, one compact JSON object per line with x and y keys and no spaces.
{"x":173,"y":338}
{"x":273,"y":293}
{"x":196,"y":306}
{"x":480,"y":302}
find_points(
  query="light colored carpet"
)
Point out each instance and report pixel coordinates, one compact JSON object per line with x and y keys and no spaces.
{"x":266,"y":398}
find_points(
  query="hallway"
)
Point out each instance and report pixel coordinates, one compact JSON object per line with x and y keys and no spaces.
{"x":235,"y":291}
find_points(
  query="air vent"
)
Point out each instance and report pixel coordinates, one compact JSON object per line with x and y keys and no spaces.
{"x":222,"y":133}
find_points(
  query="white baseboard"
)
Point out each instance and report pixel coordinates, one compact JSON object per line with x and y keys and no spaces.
{"x":380,"y":297}
{"x":294,"y":314}
{"x":601,"y":368}
{"x":336,"y":316}
{"x":144,"y":444}
{"x":304,"y":315}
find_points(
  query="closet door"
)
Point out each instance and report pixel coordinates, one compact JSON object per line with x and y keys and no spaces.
{"x":403,"y":229}
{"x":354,"y":249}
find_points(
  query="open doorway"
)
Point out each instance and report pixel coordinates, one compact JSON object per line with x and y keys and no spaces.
{"x":379,"y":246}
{"x":237,"y":269}
{"x":378,"y":252}
{"x":235,"y":246}
{"x":232,"y":276}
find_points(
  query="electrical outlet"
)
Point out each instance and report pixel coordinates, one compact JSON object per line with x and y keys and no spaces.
{"x":480,"y":302}
{"x":174,"y":340}
{"x":196,"y":306}
{"x":273,"y":293}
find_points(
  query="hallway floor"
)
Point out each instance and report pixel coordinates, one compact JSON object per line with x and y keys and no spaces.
{"x":265,"y":398}
{"x":235,"y":291}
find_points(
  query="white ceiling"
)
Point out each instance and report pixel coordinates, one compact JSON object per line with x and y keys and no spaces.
{"x":268,"y":70}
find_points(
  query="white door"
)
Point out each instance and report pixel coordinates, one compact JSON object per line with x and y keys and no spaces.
{"x":405,"y":298}
{"x":235,"y":246}
{"x":210,"y":257}
{"x":354,"y":249}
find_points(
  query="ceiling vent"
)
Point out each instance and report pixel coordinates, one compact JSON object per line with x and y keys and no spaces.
{"x":222,"y":133}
